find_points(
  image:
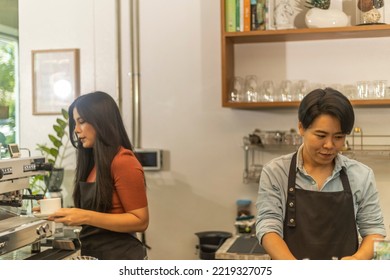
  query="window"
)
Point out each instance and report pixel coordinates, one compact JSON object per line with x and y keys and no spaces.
{"x":9,"y":74}
{"x":8,"y":91}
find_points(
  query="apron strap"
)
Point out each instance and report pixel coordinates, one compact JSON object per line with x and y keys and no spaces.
{"x":345,"y":181}
{"x":291,"y":222}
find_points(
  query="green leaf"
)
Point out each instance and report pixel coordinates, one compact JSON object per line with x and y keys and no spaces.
{"x":63,"y":124}
{"x":56,"y":142}
{"x":59,"y":130}
{"x":44,"y":149}
{"x":54,"y":152}
{"x":65,"y":114}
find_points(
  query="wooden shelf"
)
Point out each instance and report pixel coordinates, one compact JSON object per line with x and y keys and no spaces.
{"x":295,"y":104}
{"x":306,"y":34}
{"x":230,"y":39}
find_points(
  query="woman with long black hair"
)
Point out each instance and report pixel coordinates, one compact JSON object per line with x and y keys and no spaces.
{"x":109,"y":186}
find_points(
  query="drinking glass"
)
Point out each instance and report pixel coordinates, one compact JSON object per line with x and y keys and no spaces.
{"x":301,"y":89}
{"x":379,"y":89}
{"x":236,"y":90}
{"x":251,"y":88}
{"x":362,"y":89}
{"x":286,"y":90}
{"x":268,"y":91}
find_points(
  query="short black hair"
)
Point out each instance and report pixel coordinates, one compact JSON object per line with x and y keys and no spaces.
{"x":327,"y":101}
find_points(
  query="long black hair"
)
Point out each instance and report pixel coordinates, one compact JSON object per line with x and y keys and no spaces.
{"x":327,"y":101}
{"x":100,"y":110}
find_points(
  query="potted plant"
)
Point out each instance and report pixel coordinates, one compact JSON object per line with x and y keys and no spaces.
{"x":55,"y":153}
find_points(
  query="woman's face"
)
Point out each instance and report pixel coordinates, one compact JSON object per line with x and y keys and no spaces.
{"x":85,"y":131}
{"x":323,"y":139}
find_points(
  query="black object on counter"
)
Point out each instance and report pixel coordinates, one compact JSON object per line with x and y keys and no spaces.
{"x":209,"y":243}
{"x":246,"y":245}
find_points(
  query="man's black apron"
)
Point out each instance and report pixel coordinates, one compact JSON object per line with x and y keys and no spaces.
{"x":319,"y":225}
{"x":104,"y":244}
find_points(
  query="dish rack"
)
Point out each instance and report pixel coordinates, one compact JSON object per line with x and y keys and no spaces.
{"x":260,"y":142}
{"x":275,"y":143}
{"x":363,"y":145}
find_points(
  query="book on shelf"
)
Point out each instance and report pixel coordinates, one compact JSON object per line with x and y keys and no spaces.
{"x":261,"y":14}
{"x":269,"y":15}
{"x":258,"y":14}
{"x":245,"y":15}
{"x":230,"y":15}
{"x":239,"y":18}
{"x":253,"y":14}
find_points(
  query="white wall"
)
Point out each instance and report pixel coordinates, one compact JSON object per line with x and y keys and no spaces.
{"x":181,"y":102}
{"x":44,"y":25}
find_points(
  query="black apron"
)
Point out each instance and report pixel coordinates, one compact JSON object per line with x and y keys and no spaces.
{"x":105,"y":244}
{"x":319,"y":225}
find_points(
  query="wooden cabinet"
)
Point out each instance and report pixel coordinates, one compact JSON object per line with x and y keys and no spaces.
{"x":230,"y":39}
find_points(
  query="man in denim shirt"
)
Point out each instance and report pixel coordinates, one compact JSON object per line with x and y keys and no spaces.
{"x":312,"y":204}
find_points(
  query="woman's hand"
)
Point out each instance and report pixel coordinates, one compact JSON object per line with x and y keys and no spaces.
{"x":70,"y":216}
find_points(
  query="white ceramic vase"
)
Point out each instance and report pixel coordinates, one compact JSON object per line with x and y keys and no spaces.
{"x":317,"y":18}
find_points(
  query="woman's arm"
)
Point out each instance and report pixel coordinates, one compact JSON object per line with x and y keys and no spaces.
{"x":133,"y":221}
{"x":129,"y":211}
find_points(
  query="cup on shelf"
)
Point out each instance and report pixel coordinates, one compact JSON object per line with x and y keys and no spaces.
{"x":363,"y":89}
{"x":387,"y":92}
{"x":301,"y":89}
{"x":379,"y":88}
{"x":268,"y":91}
{"x":251,"y":89}
{"x":285,"y":91}
{"x":236,"y":89}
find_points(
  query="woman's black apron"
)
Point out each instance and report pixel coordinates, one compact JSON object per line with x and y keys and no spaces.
{"x":104,"y":244}
{"x":319,"y":225}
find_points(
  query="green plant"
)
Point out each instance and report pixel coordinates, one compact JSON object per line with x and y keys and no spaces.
{"x":55,"y":153}
{"x":321,"y":4}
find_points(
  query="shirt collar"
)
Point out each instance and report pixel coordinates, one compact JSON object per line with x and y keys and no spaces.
{"x":339,"y":163}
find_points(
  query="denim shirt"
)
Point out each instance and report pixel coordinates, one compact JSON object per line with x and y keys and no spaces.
{"x":272,"y":194}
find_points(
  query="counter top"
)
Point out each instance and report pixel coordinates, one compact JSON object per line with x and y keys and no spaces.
{"x":241,"y":247}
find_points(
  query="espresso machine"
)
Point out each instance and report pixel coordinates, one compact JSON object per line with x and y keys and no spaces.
{"x":19,"y":228}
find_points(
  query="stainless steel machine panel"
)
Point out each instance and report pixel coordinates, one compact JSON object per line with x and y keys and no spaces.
{"x":15,"y":172}
{"x":20,"y":231}
{"x":17,"y":230}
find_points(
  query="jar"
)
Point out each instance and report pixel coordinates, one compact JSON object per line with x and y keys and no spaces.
{"x":370,"y":12}
{"x":243,"y":207}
